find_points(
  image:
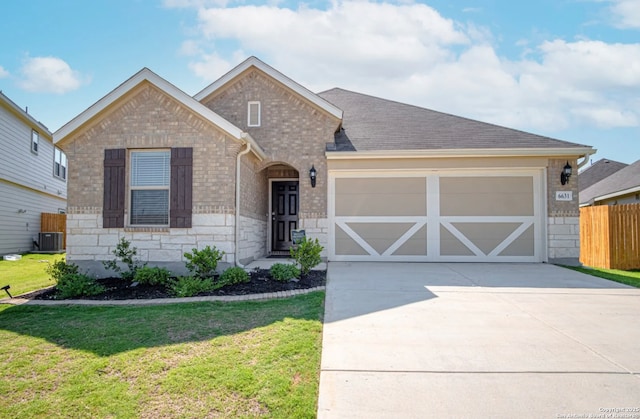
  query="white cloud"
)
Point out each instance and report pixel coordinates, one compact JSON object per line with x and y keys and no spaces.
{"x":3,"y":73}
{"x":627,"y":13}
{"x":48,"y":75}
{"x":409,"y":52}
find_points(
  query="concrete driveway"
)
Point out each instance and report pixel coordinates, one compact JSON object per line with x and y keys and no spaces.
{"x":447,"y":340}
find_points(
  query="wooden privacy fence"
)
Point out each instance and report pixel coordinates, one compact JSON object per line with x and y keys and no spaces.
{"x":610,"y":236}
{"x":50,"y":223}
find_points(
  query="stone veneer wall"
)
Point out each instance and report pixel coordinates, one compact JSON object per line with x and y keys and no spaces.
{"x":253,"y":239}
{"x":317,"y":228}
{"x":563,"y":225}
{"x":88,"y":244}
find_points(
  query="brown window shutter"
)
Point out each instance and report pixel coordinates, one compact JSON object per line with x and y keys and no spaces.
{"x":181,"y":187}
{"x":114,"y":188}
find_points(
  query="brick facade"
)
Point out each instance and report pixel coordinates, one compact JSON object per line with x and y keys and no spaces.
{"x":148,"y":118}
{"x":563,"y":226}
{"x":292,"y":131}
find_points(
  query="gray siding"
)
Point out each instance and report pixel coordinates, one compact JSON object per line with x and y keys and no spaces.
{"x":26,"y":179}
{"x":20,"y":216}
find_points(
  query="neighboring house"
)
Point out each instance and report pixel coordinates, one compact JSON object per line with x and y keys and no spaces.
{"x":621,"y":187}
{"x":597,"y":171}
{"x":33,"y":177}
{"x":231,"y":167}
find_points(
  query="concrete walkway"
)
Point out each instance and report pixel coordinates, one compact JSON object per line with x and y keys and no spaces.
{"x":478,"y":341}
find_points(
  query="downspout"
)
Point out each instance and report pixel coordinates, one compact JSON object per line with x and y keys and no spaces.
{"x":237,"y":226}
{"x":584,"y":161}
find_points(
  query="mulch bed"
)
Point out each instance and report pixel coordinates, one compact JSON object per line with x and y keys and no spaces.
{"x":261,"y":282}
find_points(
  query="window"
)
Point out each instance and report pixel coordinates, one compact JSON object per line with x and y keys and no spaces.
{"x":150,"y":175}
{"x":254,"y":114}
{"x":35,"y":137}
{"x":60,"y":164}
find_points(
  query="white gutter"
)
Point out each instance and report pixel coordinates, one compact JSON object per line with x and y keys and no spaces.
{"x":463,"y":152}
{"x":237,"y":226}
{"x":584,"y":161}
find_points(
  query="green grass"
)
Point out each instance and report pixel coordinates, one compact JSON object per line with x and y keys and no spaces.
{"x":624,"y":277}
{"x":245,"y":359}
{"x":27,"y":274}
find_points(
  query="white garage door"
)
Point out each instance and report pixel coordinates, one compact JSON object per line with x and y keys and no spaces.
{"x":436,"y":216}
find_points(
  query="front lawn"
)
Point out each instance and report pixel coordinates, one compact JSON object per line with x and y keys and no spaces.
{"x":244,"y":359}
{"x":624,"y":277}
{"x":27,"y":274}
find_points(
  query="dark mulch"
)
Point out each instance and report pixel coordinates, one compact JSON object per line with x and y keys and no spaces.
{"x":261,"y":282}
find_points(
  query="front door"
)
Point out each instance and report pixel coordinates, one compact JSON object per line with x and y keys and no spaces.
{"x":284,"y":213}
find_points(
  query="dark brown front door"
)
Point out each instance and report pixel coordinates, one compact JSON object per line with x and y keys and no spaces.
{"x":284,"y":213}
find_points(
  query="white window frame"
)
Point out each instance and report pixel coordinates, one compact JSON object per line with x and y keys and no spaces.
{"x":59,"y":164}
{"x":133,"y":188}
{"x":35,"y":140}
{"x":251,"y":123}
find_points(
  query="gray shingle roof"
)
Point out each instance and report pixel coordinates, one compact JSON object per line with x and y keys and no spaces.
{"x":372,"y":123}
{"x":623,"y":179}
{"x":597,"y":171}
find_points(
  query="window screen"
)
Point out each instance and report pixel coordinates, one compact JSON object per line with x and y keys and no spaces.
{"x":150,"y":174}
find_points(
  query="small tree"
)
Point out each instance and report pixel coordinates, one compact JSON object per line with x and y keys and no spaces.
{"x":307,"y":254}
{"x":203,"y":263}
{"x":127,"y":255}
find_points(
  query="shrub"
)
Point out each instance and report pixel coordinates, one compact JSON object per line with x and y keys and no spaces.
{"x":203,"y":263}
{"x":233,"y":275}
{"x":152,"y":275}
{"x":188,"y":286}
{"x":284,"y":271}
{"x":307,"y":254}
{"x":61,"y":268}
{"x":77,"y":285}
{"x":127,"y":255}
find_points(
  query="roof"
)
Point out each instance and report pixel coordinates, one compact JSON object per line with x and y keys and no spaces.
{"x":373,"y":124}
{"x":146,"y":75}
{"x":597,"y":171}
{"x":275,"y":74}
{"x":24,"y":115}
{"x":622,"y":182}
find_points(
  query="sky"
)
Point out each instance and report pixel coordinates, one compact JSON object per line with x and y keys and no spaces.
{"x":567,"y":69}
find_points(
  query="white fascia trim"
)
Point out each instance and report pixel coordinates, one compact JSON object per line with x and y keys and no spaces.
{"x":463,"y":152}
{"x":635,"y":189}
{"x":253,"y":61}
{"x":147,"y":75}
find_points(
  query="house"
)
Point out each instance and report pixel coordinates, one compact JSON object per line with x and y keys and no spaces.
{"x":255,"y":155}
{"x":621,"y":187}
{"x":597,"y":171}
{"x":33,"y":177}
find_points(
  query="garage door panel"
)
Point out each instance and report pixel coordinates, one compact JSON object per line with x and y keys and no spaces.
{"x":450,"y":245}
{"x":486,"y":236}
{"x":524,"y":245}
{"x":486,"y":196}
{"x":345,"y":245}
{"x":416,"y":245}
{"x":380,"y":197}
{"x":380,"y":236}
{"x":438,"y":216}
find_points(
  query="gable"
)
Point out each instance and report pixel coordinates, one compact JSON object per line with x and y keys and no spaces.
{"x":180,"y":101}
{"x":215,"y":89}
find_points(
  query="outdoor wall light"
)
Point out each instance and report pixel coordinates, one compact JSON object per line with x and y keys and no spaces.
{"x":312,"y":176}
{"x":566,"y":174}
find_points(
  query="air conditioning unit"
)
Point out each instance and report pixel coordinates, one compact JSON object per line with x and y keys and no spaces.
{"x":50,"y":242}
